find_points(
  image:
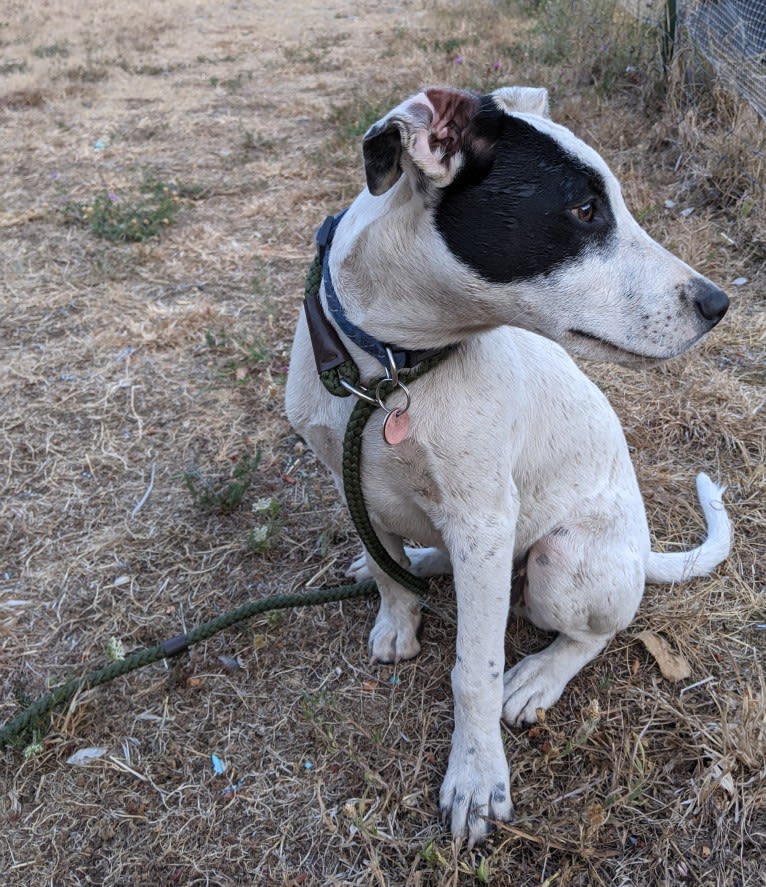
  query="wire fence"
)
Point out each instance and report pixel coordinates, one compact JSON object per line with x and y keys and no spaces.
{"x":731,"y":35}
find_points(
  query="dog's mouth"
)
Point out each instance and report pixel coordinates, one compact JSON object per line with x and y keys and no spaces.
{"x":595,"y":348}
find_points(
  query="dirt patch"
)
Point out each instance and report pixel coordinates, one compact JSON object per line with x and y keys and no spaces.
{"x":130,"y":366}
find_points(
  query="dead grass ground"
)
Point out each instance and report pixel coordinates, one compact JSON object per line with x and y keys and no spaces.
{"x":126,"y":365}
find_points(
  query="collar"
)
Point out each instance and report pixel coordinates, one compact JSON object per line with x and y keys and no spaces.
{"x":330,"y":346}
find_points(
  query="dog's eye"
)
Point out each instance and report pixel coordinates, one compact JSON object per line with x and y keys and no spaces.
{"x":584,"y":213}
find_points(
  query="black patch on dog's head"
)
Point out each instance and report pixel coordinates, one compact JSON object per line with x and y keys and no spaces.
{"x":516,"y":217}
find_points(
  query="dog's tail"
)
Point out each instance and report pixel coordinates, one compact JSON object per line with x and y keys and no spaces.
{"x":678,"y":566}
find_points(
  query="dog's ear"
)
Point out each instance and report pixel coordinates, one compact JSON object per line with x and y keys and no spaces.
{"x":522,"y":99}
{"x":429,"y":129}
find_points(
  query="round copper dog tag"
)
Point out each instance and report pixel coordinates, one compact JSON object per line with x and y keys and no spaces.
{"x":395,"y":427}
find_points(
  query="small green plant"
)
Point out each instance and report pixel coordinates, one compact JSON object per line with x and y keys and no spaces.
{"x":432,"y":855}
{"x":481,"y":872}
{"x":233,"y":84}
{"x":223,"y":496}
{"x":207,"y":60}
{"x":34,"y":748}
{"x":190,"y":190}
{"x":301,"y":55}
{"x":241,"y":355}
{"x":152,"y":70}
{"x":87,"y":74}
{"x":319,"y":707}
{"x":12,"y":68}
{"x":262,"y":536}
{"x":115,"y":650}
{"x":129,"y":217}
{"x":54,"y":49}
{"x":256,"y":142}
{"x":448,"y":46}
{"x":595,"y":42}
{"x":583,"y":734}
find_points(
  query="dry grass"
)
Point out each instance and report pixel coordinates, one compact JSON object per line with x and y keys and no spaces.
{"x":126,"y":365}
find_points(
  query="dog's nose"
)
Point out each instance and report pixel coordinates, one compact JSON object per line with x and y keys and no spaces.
{"x":710,"y":301}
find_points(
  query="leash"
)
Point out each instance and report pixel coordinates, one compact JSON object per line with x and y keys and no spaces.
{"x":340,"y":376}
{"x":32,"y":717}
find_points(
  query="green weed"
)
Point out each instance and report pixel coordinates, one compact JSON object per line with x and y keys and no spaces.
{"x":231,"y":84}
{"x":56,"y":49}
{"x":257,"y":143}
{"x":242,"y":355}
{"x":12,"y":68}
{"x":448,"y":46}
{"x":207,"y":60}
{"x":269,"y":514}
{"x":87,"y":74}
{"x":315,"y":55}
{"x":234,"y":84}
{"x":223,"y":495}
{"x":152,"y":70}
{"x":126,"y":217}
{"x":300,"y":55}
{"x":432,"y":855}
{"x":595,"y":42}
{"x":35,"y":747}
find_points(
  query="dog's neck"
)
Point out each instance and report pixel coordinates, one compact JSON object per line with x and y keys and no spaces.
{"x":447,"y":305}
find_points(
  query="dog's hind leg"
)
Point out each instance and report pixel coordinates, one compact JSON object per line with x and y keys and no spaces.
{"x":423,"y":562}
{"x":586,"y":595}
{"x":394,"y":635}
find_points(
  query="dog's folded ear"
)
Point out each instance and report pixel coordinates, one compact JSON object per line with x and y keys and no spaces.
{"x":428,"y":130}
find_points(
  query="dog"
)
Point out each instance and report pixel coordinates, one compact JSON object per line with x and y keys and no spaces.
{"x":490,"y":231}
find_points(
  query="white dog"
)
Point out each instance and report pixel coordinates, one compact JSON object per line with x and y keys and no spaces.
{"x":483,"y":224}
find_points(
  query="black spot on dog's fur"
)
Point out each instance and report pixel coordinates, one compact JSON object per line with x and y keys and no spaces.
{"x":508,"y":215}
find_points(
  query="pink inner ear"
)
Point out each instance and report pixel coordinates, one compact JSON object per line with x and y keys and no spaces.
{"x":440,"y":116}
{"x":452,"y":112}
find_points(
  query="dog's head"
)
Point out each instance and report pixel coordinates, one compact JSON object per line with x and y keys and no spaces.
{"x":535,"y":220}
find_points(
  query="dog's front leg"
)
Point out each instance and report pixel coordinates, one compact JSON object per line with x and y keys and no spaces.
{"x":476,"y":788}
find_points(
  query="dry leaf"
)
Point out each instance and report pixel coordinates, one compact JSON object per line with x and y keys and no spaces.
{"x":260,"y":641}
{"x":673,"y":666}
{"x":85,"y":756}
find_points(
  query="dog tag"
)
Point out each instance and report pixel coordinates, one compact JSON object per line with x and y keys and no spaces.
{"x":395,"y":427}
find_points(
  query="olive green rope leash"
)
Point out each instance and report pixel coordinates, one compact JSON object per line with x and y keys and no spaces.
{"x":33,"y":715}
{"x":352,"y":468}
{"x":352,"y":483}
{"x":352,"y":459}
{"x":352,"y":442}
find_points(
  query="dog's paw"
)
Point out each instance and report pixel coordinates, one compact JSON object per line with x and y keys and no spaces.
{"x":358,"y":569}
{"x":476,"y":790}
{"x":423,"y":562}
{"x":529,"y":685}
{"x":394,"y":635}
{"x":426,"y":562}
